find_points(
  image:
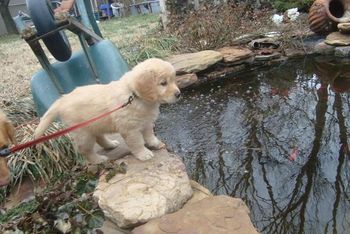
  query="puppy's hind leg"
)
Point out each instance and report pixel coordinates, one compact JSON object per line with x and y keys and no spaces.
{"x":106,"y":143}
{"x":85,"y":143}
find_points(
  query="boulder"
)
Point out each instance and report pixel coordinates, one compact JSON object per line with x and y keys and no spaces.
{"x":216,"y":214}
{"x":236,"y":55}
{"x":194,"y":62}
{"x":148,"y":190}
{"x":324,"y":49}
{"x":186,"y":80}
{"x":199,"y":193}
{"x":337,"y":39}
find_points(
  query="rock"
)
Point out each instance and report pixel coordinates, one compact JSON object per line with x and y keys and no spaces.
{"x":108,"y":227}
{"x":343,"y":51}
{"x":199,"y":193}
{"x":337,"y":39}
{"x":236,"y":55}
{"x":293,"y":53}
{"x":267,"y":57}
{"x":186,"y":80}
{"x":324,"y":49}
{"x":267,"y":42}
{"x":344,"y":28}
{"x":246,"y":38}
{"x":217,"y":214}
{"x":223,"y":71}
{"x":148,"y":190}
{"x":194,"y":62}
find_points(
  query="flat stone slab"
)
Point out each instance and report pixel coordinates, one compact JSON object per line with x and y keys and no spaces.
{"x":267,"y":57}
{"x":235,"y":55}
{"x":194,"y":62}
{"x":148,"y":190}
{"x":338,"y":39}
{"x":217,"y":214}
{"x":344,"y":28}
{"x":324,"y":49}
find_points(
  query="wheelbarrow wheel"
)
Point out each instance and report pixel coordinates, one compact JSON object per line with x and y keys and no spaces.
{"x":44,"y":21}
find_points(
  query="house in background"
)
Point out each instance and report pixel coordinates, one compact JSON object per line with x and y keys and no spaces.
{"x":20,"y":5}
{"x":135,"y":7}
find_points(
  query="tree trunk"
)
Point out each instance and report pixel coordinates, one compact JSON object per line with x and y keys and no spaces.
{"x":7,"y":18}
{"x":196,"y":4}
{"x":163,"y":13}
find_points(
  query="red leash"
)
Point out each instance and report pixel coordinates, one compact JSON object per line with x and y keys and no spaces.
{"x":7,"y":151}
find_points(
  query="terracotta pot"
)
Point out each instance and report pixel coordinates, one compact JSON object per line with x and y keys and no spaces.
{"x":324,"y":15}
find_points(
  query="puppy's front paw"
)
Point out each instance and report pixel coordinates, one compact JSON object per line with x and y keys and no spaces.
{"x":157,"y":145}
{"x":144,"y":155}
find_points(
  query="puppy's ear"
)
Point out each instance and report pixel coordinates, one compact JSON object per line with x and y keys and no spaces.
{"x":145,"y":85}
{"x":10,"y":130}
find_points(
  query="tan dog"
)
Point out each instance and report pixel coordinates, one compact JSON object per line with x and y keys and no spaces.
{"x":7,"y":136}
{"x":152,"y":82}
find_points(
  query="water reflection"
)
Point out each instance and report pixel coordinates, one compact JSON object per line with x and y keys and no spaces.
{"x":276,"y":138}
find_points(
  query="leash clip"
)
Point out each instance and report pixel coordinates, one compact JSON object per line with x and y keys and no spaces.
{"x":5,"y":152}
{"x":131,"y":98}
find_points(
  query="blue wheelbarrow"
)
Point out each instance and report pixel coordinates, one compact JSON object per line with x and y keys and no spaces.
{"x":99,"y":60}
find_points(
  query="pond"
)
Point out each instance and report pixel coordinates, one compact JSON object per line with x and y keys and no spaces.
{"x":277,"y":138}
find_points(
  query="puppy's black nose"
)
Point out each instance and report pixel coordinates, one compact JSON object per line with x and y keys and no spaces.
{"x":178,"y":94}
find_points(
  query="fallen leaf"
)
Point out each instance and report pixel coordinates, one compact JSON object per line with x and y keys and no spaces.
{"x":293,"y":155}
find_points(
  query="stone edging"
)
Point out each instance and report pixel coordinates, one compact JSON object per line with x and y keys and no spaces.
{"x":196,"y":68}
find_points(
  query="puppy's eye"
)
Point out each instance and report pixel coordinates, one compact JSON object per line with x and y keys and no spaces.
{"x":164,"y":83}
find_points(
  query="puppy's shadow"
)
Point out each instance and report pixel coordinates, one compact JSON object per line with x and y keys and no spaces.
{"x":119,"y":152}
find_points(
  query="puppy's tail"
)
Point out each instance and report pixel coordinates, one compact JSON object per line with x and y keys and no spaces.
{"x":47,"y":119}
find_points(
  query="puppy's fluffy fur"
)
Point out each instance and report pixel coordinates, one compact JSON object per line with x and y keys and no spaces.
{"x":7,"y":136}
{"x":152,"y":82}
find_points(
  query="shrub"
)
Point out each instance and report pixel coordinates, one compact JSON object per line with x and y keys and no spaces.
{"x":216,"y":26}
{"x":283,"y":5}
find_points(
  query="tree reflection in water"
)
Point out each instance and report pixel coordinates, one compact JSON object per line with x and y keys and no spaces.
{"x":276,"y":138}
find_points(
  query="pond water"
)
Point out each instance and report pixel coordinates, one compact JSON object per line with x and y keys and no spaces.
{"x":277,"y":138}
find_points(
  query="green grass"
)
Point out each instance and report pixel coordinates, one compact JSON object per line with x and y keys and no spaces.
{"x":18,"y":211}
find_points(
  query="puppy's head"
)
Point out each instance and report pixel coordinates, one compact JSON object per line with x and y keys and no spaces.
{"x":154,"y":81}
{"x":7,"y":137}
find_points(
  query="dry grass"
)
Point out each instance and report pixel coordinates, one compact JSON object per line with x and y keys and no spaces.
{"x":17,"y":63}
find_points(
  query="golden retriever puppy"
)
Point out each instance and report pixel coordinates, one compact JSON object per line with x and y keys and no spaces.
{"x":151,"y":83}
{"x":7,"y":136}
